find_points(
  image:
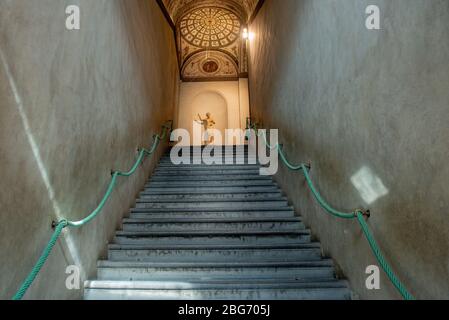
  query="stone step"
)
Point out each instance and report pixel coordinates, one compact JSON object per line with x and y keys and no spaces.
{"x":132,"y":225}
{"x":209,"y":290}
{"x":233,"y":147}
{"x":216,"y":160}
{"x":212,"y":155}
{"x":202,"y":162}
{"x":211,"y":168}
{"x":215,"y":205}
{"x":194,"y":214}
{"x":210,"y":197}
{"x":228,"y":183}
{"x":209,"y":148}
{"x":209,"y":157}
{"x":213,"y":237}
{"x":210,"y":190}
{"x":218,"y":174}
{"x":215,"y":253}
{"x":207,"y":178}
{"x":141,"y":271}
{"x":217,"y":151}
{"x":206,"y":171}
{"x":212,"y":210}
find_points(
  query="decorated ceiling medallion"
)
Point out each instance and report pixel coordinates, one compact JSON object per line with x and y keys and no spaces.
{"x":210,"y":66}
{"x":210,"y":27}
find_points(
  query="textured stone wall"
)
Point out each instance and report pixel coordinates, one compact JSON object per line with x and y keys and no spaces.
{"x":370,"y":110}
{"x":73,"y":106}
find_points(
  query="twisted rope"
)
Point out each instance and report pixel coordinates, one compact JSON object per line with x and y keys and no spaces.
{"x":61,"y":225}
{"x":356,"y":214}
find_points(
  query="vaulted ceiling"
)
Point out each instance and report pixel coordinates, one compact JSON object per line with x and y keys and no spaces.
{"x":209,"y":37}
{"x":177,"y":7}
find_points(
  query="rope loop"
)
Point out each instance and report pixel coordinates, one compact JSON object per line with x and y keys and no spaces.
{"x":363,"y":212}
{"x":63,"y":222}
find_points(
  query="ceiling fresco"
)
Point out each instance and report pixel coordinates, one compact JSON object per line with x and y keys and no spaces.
{"x":210,"y":28}
{"x":176,"y":8}
{"x":214,"y":65}
{"x":209,"y":37}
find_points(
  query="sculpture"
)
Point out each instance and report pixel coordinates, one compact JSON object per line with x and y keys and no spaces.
{"x":209,"y":125}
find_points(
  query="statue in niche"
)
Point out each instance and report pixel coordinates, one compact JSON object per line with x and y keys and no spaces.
{"x":209,"y":124}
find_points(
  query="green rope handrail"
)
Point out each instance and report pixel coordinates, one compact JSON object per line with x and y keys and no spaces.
{"x":356,"y":214}
{"x":61,"y":225}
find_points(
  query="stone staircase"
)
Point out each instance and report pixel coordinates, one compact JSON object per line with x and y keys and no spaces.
{"x":214,"y":232}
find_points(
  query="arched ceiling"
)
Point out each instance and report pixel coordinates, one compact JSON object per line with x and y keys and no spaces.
{"x":210,"y":27}
{"x":176,"y":8}
{"x":209,"y":37}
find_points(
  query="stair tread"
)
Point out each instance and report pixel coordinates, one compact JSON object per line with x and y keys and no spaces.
{"x":323,"y":263}
{"x":221,"y":200}
{"x":211,"y":233}
{"x":215,"y":210}
{"x":174,"y":192}
{"x":198,"y":284}
{"x":211,"y":247}
{"x":206,"y":220}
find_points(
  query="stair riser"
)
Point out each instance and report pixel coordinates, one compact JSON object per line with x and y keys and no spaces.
{"x":213,"y":197}
{"x":205,"y":172}
{"x":159,"y":274}
{"x":203,"y":162}
{"x":254,"y":226}
{"x":214,"y":215}
{"x":274,"y":294}
{"x":167,"y":167}
{"x":233,"y":148}
{"x":218,"y":154}
{"x":208,"y":157}
{"x":216,"y":285}
{"x":213,"y":240}
{"x":214,"y":205}
{"x":214,"y":178}
{"x":208,"y":184}
{"x":209,"y":153}
{"x":197,"y":256}
{"x":210,"y":190}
